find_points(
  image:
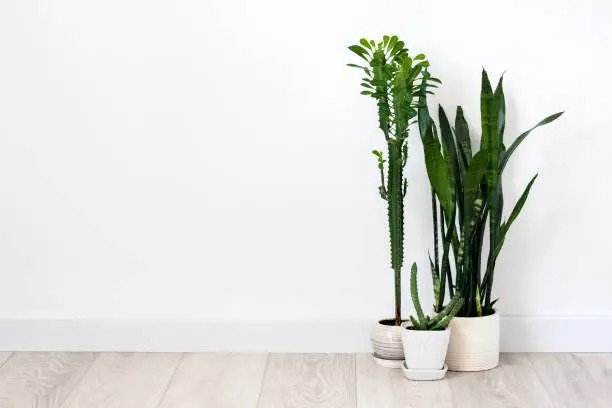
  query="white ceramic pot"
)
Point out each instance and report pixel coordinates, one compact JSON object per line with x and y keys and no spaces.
{"x":386,"y":341}
{"x":474,"y":343}
{"x":425,"y":349}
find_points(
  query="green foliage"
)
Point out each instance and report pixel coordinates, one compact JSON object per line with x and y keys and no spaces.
{"x":471,"y":185}
{"x":439,"y":321}
{"x":397,"y":82}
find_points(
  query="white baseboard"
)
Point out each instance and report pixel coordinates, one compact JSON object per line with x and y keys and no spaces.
{"x":556,"y":334}
{"x":518,"y":334}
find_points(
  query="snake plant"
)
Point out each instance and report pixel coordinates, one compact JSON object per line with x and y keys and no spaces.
{"x":467,"y":192}
{"x":424,"y":322}
{"x":396,"y":81}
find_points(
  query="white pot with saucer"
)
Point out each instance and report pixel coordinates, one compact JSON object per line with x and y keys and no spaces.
{"x":424,"y":353}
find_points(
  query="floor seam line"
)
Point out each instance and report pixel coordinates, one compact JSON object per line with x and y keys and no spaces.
{"x":263,"y":380}
{"x":161,"y":399}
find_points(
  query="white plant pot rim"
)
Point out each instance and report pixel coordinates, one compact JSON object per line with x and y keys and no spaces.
{"x":490,"y":316}
{"x":408,"y":325}
{"x":392,"y":320}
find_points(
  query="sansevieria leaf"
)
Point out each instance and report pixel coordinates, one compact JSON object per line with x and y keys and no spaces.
{"x":472,"y":181}
{"x":488,"y":113}
{"x":423,"y":110}
{"x":462,"y":133}
{"x":438,"y":171}
{"x":450,"y":155}
{"x":515,"y":213}
{"x":519,"y":140}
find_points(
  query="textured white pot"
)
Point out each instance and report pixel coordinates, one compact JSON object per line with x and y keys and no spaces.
{"x":425,"y":349}
{"x":474,"y":343}
{"x":387,"y":341}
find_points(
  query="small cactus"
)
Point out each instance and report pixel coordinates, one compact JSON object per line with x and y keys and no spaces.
{"x":437,"y":322}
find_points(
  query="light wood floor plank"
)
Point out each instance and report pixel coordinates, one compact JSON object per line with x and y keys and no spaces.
{"x":309,"y":381}
{"x":513,"y":384}
{"x":41,"y":380}
{"x":568,"y":381}
{"x":4,"y":355}
{"x":125,"y":380}
{"x":149,"y":380}
{"x":599,"y":367}
{"x":216,"y":380}
{"x":379,"y":387}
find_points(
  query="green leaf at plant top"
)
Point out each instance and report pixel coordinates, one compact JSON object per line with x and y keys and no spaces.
{"x":488,"y":115}
{"x":493,"y":106}
{"x":399,"y":46}
{"x":385,"y":40}
{"x":493,"y":117}
{"x":450,"y":155}
{"x":500,"y":102}
{"x":519,"y":140}
{"x":392,"y":41}
{"x":355,"y":66}
{"x":462,"y":134}
{"x":360,"y":51}
{"x":365,"y":43}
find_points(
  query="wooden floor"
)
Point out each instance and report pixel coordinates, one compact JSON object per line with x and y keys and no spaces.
{"x":151,"y":380}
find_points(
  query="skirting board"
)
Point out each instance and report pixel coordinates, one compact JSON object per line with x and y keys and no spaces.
{"x":518,"y":334}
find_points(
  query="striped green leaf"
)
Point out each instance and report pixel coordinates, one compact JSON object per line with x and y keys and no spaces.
{"x":450,"y":154}
{"x":514,"y":214}
{"x":462,"y":134}
{"x":438,"y":171}
{"x":519,"y":140}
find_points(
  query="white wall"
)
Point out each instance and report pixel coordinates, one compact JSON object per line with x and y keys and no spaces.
{"x":210,"y":160}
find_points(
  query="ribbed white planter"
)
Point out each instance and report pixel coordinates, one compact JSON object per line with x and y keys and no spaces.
{"x":387,"y":342}
{"x":474,"y":343}
{"x":425,"y":349}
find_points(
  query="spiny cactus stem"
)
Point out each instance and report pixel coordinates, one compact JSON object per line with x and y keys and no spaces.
{"x":398,"y":297}
{"x":442,"y":324}
{"x":415,"y":323}
{"x":414,"y":292}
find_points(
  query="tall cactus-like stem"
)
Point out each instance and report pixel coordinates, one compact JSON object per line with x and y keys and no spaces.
{"x":397,"y":82}
{"x":395,"y":209}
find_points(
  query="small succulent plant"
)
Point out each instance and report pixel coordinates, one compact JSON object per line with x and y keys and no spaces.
{"x":424,"y":322}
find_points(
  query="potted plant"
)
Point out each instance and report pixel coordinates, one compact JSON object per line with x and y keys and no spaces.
{"x":466,"y":195}
{"x":396,"y":81}
{"x":425,"y":338}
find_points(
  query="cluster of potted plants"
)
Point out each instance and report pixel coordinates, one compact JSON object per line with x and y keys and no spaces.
{"x":462,"y":332}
